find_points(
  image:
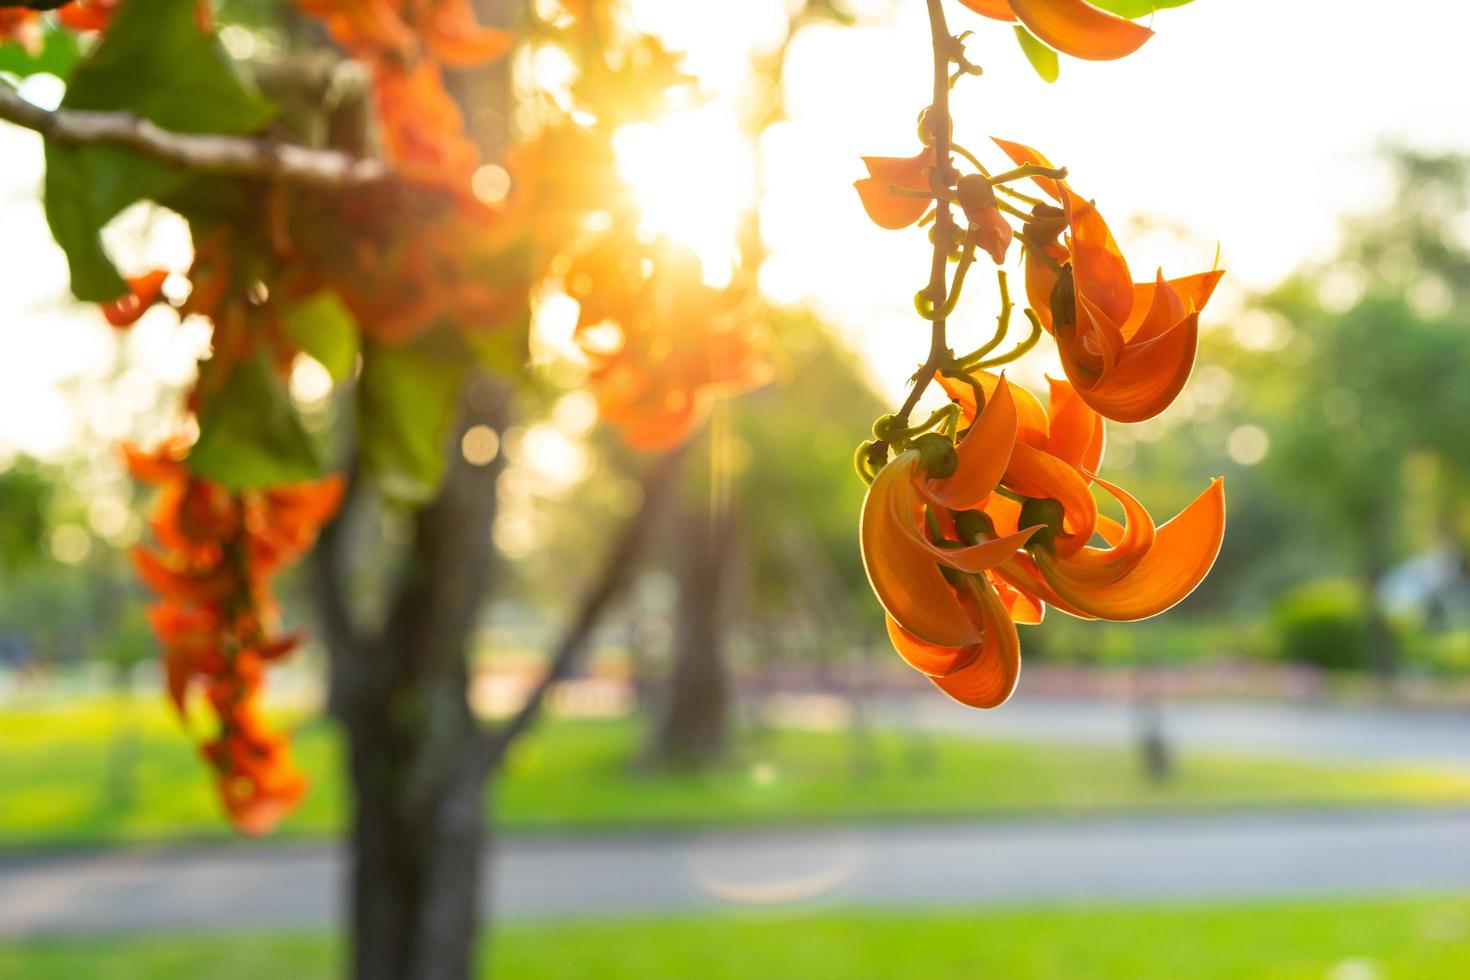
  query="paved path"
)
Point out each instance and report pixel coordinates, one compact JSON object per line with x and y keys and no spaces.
{"x":1427,"y":736}
{"x":991,"y":862}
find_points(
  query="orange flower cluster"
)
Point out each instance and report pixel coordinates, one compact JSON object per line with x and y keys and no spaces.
{"x":986,"y":515}
{"x":215,"y":555}
{"x":962,"y":541}
{"x":1073,"y":27}
{"x":407,"y":44}
{"x":663,"y":345}
{"x":1128,"y":347}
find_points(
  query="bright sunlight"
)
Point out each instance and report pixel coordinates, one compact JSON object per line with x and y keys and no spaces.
{"x":693,"y":173}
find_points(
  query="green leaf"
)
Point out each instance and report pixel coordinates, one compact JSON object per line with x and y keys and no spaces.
{"x":324,"y":328}
{"x":250,"y":434}
{"x":406,"y":399}
{"x":1133,"y":9}
{"x":507,"y":348}
{"x":153,"y":61}
{"x":59,"y":52}
{"x":1042,"y":58}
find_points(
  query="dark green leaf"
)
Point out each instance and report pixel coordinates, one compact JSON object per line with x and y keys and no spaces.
{"x":153,"y":61}
{"x":324,"y":328}
{"x":406,"y":398}
{"x":1042,"y":58}
{"x":250,"y":434}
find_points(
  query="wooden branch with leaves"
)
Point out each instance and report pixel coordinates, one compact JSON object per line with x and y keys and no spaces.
{"x":204,"y":153}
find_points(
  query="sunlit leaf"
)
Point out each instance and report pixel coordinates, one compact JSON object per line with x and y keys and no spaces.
{"x":250,"y":434}
{"x":59,"y":52}
{"x":153,"y":61}
{"x":1133,"y":9}
{"x":324,"y":328}
{"x":1042,"y":58}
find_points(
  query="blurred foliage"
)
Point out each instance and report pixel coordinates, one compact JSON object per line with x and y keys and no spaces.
{"x":1321,"y":623}
{"x":25,"y":494}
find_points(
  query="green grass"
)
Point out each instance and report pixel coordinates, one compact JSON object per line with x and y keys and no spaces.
{"x":103,"y":771}
{"x":1392,"y":939}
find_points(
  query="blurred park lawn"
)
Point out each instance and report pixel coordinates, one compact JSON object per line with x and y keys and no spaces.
{"x":1404,"y":939}
{"x":117,"y":770}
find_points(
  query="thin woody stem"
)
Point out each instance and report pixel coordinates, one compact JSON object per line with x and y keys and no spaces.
{"x":204,"y":153}
{"x":944,"y":221}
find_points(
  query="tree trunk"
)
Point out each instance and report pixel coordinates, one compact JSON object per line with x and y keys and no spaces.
{"x":1383,"y":645}
{"x":694,"y":727}
{"x":416,"y":757}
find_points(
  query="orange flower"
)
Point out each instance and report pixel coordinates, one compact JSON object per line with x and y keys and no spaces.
{"x":1143,"y":571}
{"x":143,"y":292}
{"x":945,"y":617}
{"x":23,"y":26}
{"x":1072,"y":27}
{"x":956,"y":565}
{"x":1127,"y":347}
{"x":216,"y":554}
{"x":663,"y":347}
{"x":88,"y":15}
{"x":884,"y":205}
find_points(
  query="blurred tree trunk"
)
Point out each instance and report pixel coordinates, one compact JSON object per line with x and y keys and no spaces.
{"x":416,"y":758}
{"x":1383,"y":645}
{"x":693,"y":729}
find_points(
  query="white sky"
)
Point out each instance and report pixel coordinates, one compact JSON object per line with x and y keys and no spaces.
{"x":1250,"y":123}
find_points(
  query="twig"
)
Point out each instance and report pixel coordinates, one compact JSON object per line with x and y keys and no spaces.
{"x":614,"y":573}
{"x":944,"y":220}
{"x":205,"y":153}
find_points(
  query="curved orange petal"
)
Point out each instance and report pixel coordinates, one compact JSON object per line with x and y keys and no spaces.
{"x":1148,"y":377}
{"x":1077,"y":435}
{"x":1193,"y":291}
{"x":887,"y":209}
{"x":929,"y":658}
{"x":902,"y":571}
{"x":1021,"y":155}
{"x":1098,"y":264}
{"x":983,"y":454}
{"x":994,"y":9}
{"x":1034,"y":473}
{"x":1081,"y":30}
{"x":1031,"y":419}
{"x":1098,"y":567}
{"x":1022,"y":574}
{"x":1183,"y":551}
{"x":990,"y":678}
{"x":1022,"y":607}
{"x":980,"y":557}
{"x":910,"y":172}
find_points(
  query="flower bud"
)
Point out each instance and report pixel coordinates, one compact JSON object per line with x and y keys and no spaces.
{"x":1064,"y":301}
{"x":1046,"y":512}
{"x":937,"y":456}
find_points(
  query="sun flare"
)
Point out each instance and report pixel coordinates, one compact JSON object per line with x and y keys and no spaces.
{"x":693,"y":175}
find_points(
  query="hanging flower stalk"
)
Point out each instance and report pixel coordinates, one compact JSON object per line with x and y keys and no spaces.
{"x":983,"y":514}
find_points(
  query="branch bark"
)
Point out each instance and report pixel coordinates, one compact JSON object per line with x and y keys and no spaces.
{"x":204,"y":153}
{"x":657,"y":480}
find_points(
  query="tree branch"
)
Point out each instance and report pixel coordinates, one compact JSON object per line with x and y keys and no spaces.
{"x":614,"y":574}
{"x":205,"y":153}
